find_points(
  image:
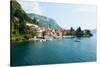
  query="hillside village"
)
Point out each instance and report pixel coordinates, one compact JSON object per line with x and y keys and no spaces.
{"x":48,"y":33}
{"x":25,"y":27}
{"x":45,"y":33}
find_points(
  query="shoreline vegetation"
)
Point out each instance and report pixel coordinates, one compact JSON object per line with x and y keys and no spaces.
{"x":46,"y":34}
{"x":23,"y":27}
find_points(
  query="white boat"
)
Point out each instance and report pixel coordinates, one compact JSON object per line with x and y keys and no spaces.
{"x":41,"y":40}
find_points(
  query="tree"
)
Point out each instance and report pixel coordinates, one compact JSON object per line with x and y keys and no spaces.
{"x":72,"y":31}
{"x":35,"y":21}
{"x":79,"y":32}
{"x":87,"y":33}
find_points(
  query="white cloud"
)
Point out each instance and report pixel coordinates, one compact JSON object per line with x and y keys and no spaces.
{"x":31,"y":7}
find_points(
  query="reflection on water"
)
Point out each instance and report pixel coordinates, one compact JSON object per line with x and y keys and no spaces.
{"x":66,"y":50}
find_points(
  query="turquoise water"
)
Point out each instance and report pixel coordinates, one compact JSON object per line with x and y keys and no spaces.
{"x":56,"y":51}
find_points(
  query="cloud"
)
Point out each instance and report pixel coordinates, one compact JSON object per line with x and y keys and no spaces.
{"x":31,"y":7}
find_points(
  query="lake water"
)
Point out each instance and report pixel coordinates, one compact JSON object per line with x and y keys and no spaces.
{"x":56,"y":51}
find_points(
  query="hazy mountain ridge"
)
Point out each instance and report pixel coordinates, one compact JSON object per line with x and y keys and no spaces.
{"x":94,"y":30}
{"x":45,"y":21}
{"x":19,"y":18}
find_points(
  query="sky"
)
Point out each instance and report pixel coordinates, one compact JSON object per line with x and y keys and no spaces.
{"x":65,"y":15}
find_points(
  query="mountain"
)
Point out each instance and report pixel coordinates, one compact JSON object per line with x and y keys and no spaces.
{"x":19,"y":29}
{"x":45,"y":21}
{"x":19,"y":20}
{"x":94,"y":30}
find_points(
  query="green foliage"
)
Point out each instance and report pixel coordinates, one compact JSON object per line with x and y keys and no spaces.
{"x":79,"y":32}
{"x":17,"y":37}
{"x":72,"y":31}
{"x":35,"y":21}
{"x":19,"y":30}
{"x":87,"y":33}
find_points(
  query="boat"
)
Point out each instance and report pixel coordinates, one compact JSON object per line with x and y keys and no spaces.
{"x":42,"y":40}
{"x":77,"y":40}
